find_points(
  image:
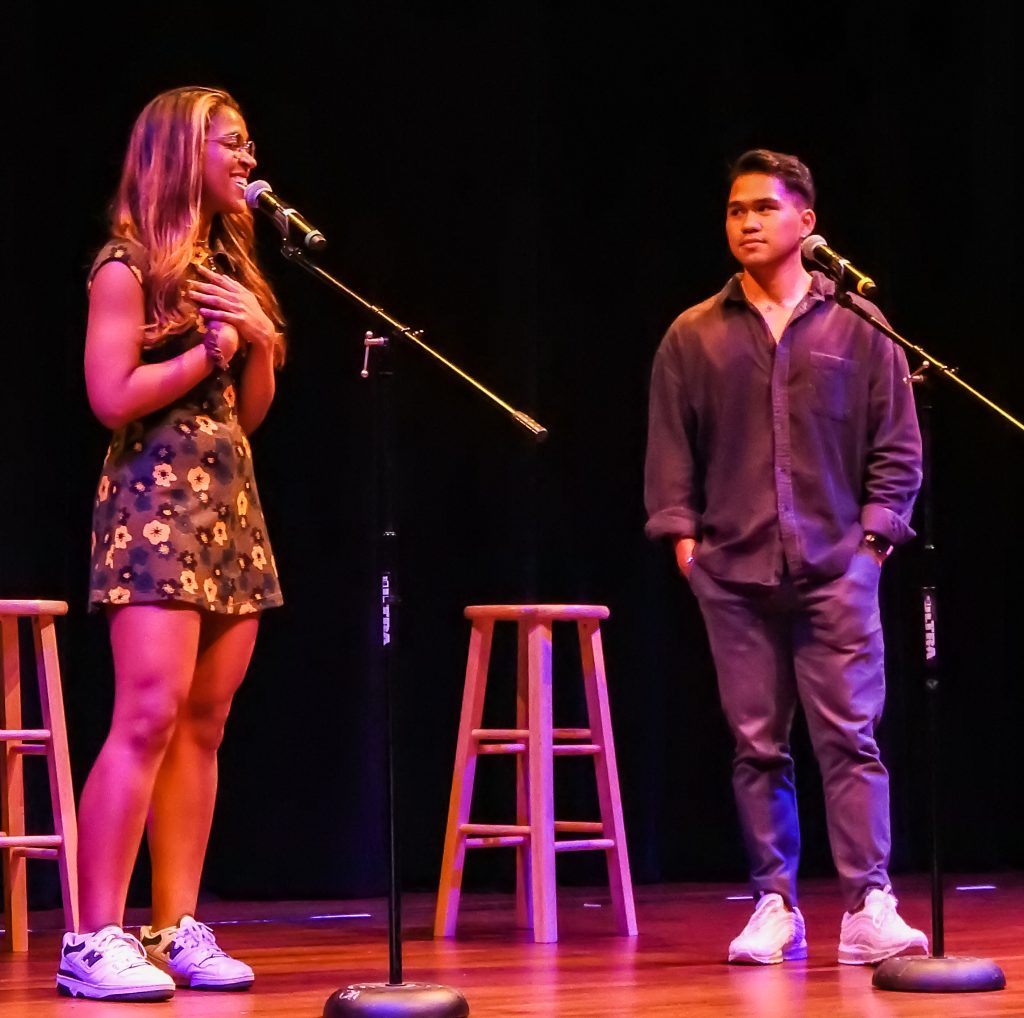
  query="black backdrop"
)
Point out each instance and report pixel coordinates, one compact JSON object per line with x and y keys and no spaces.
{"x":540,"y":188}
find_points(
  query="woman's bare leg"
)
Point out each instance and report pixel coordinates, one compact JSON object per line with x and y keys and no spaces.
{"x":155,"y":649}
{"x":178,"y":829}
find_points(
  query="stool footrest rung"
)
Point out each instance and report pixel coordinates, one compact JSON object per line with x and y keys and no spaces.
{"x":570,"y":733}
{"x":25,"y":735}
{"x":507,"y":748}
{"x":31,"y":749}
{"x":499,"y":733}
{"x":514,"y":840}
{"x":520,"y":734}
{"x":30,"y":841}
{"x":561,"y":827}
{"x":582,"y":846}
{"x":36,"y":853}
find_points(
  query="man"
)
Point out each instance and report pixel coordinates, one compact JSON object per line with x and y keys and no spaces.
{"x":783,"y":461}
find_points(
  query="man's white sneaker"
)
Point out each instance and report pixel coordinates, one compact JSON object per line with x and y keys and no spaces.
{"x":109,"y":965}
{"x":191,"y":954}
{"x":877,"y":932}
{"x":772,"y":934}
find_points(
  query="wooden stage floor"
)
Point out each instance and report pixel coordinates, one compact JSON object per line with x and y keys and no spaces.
{"x":303,"y":951}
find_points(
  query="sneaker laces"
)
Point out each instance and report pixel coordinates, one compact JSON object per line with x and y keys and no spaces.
{"x":197,"y":934}
{"x":121,"y":948}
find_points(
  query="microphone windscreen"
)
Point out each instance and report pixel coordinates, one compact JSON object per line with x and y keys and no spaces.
{"x":807,"y":248}
{"x":254,"y":189}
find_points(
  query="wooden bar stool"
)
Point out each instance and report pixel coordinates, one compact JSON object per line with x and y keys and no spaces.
{"x":50,"y":741}
{"x":535,"y":742}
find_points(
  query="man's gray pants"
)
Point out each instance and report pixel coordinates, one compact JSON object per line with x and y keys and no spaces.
{"x":822,"y":645}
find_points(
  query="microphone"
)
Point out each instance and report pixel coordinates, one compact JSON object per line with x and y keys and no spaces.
{"x":290,"y":224}
{"x":816,"y":249}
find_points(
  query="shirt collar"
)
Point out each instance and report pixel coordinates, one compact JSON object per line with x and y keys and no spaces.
{"x":821,"y":288}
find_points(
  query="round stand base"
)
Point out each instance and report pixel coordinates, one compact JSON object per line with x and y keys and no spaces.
{"x":939,"y":975}
{"x":396,"y":1000}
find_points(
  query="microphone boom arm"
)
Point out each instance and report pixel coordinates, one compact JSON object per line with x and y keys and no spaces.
{"x":951,"y":373}
{"x":293,"y":253}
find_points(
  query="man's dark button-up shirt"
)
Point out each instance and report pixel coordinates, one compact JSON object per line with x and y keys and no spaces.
{"x":778,"y":456}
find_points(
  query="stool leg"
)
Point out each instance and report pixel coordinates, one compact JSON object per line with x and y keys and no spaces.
{"x":453,"y":861}
{"x":596,"y":686}
{"x":542,"y":797}
{"x":524,"y":856}
{"x":12,"y":793}
{"x":58,"y":761}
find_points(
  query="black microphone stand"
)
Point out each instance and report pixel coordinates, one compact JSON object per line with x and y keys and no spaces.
{"x":395,"y":998}
{"x":939,"y":973}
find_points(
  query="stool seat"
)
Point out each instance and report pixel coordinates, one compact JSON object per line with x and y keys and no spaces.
{"x":27,"y":608}
{"x":18,"y":742}
{"x":551,"y":612}
{"x":535,"y":743}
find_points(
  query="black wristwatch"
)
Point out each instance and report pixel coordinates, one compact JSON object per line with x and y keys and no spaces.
{"x":878,"y":544}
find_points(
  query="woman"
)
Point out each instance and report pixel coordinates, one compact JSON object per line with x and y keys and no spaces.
{"x":182,"y":343}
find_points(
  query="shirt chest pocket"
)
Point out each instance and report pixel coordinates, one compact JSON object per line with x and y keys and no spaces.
{"x":833,"y":385}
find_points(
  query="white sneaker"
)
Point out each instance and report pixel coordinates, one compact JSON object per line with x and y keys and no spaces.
{"x":191,"y":954}
{"x":109,"y":965}
{"x":877,"y":932}
{"x":772,"y":934}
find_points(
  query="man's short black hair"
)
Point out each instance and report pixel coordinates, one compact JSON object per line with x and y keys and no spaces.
{"x":791,"y":171}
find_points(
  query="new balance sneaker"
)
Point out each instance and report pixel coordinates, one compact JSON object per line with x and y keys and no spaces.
{"x":109,"y":965}
{"x":192,"y":956}
{"x":773,"y":934}
{"x":877,"y":932}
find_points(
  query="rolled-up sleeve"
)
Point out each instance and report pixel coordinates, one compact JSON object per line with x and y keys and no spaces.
{"x":892,"y":476}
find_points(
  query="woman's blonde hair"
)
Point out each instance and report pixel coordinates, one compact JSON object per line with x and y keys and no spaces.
{"x":158,"y":204}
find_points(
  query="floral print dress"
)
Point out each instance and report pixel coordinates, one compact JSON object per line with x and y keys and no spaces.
{"x":177,"y":515}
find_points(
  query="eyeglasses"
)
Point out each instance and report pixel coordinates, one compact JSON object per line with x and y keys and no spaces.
{"x":235,"y":143}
